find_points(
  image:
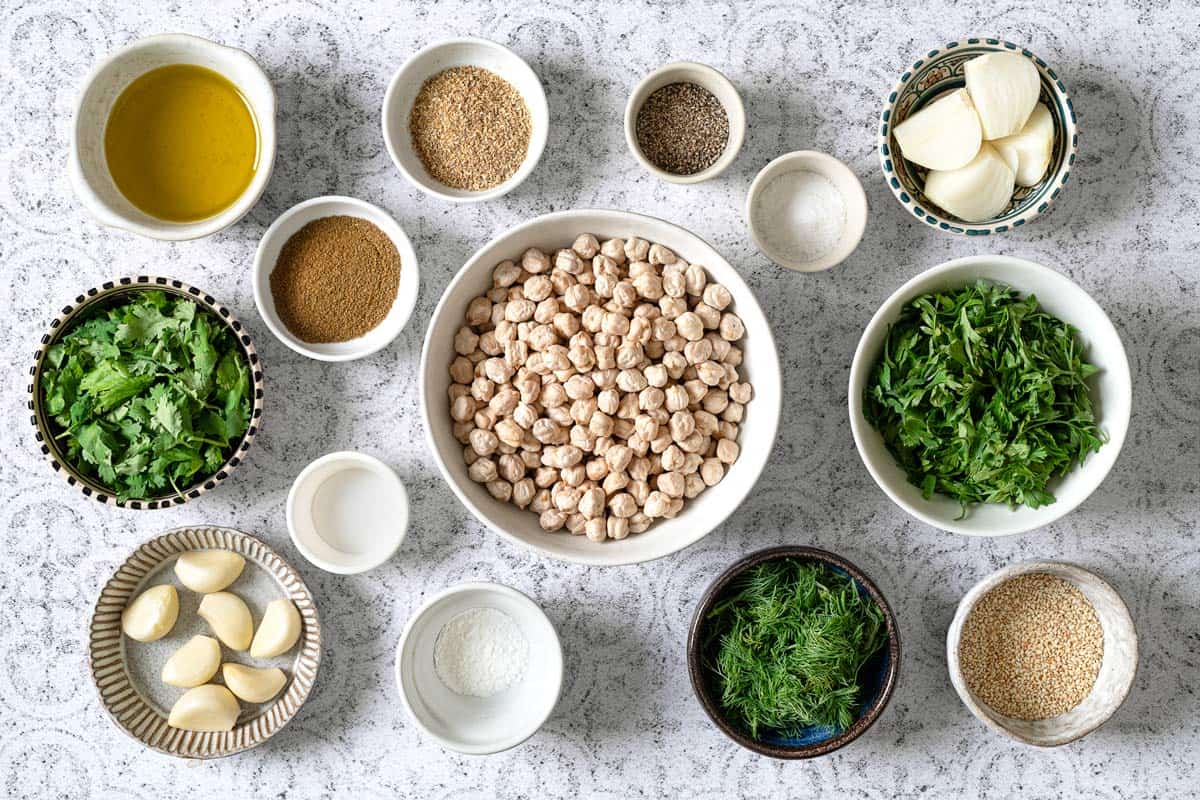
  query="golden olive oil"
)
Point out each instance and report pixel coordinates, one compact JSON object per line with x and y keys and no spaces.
{"x":181,"y":143}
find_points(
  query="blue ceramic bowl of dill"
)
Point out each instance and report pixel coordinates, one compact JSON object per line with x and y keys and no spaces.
{"x":146,"y":393}
{"x":793,"y":652}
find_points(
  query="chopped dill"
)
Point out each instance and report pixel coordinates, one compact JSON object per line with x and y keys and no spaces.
{"x":790,"y":640}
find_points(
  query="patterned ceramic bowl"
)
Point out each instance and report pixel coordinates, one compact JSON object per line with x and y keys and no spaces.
{"x":1117,"y":667}
{"x":939,"y":71}
{"x":878,"y":676}
{"x":126,"y":673}
{"x":45,"y":429}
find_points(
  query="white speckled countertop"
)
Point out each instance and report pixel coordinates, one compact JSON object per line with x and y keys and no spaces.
{"x":812,"y":75}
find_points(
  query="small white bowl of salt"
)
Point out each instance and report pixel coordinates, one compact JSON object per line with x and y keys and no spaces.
{"x":479,"y":667}
{"x":807,"y":211}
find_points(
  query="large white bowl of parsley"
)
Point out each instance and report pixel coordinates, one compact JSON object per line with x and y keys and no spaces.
{"x":989,"y":395}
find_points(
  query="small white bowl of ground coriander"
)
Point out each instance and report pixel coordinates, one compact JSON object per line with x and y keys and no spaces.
{"x":465,"y":120}
{"x":335,"y":278}
{"x":685,"y":122}
{"x":1043,"y":651}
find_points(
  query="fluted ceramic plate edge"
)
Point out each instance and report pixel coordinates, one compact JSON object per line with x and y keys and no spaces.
{"x":120,"y":697}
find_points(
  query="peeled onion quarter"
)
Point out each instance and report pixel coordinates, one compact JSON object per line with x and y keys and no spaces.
{"x":1004,"y":88}
{"x":977,"y":192}
{"x":1029,"y":150}
{"x":945,"y":134}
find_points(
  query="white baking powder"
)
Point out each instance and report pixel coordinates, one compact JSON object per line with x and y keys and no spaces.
{"x":480,"y":652}
{"x":801,"y":215}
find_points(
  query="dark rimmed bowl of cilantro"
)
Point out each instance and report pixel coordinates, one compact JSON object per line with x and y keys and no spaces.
{"x":989,"y":395}
{"x":793,"y":652}
{"x":145,"y":393}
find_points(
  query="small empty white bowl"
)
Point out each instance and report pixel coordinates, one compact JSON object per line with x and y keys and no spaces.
{"x":1117,"y":668}
{"x":87,"y":166}
{"x":774,"y":243}
{"x":291,"y":221}
{"x":406,"y":84}
{"x":347,"y":512}
{"x":479,"y":725}
{"x":706,"y":77}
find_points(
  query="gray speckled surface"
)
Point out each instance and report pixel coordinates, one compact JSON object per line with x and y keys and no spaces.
{"x":812,"y":75}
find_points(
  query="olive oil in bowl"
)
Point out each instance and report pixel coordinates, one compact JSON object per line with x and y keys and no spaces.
{"x":182,"y":143}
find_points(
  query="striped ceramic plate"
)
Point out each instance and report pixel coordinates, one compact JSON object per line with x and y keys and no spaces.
{"x":124,"y":671}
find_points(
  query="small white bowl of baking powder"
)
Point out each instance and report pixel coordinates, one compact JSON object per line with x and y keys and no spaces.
{"x":479,"y":667}
{"x":807,"y":211}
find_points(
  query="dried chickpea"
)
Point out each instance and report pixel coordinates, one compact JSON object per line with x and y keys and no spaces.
{"x":732,"y":327}
{"x":711,"y":471}
{"x":596,"y":529}
{"x":601,"y":375}
{"x":618,"y":528}
{"x":586,"y":245}
{"x":483,"y":471}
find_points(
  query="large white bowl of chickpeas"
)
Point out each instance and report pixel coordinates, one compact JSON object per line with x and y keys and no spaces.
{"x":600,"y":386}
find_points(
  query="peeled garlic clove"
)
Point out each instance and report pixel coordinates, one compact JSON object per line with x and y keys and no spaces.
{"x":229,"y":618}
{"x":152,"y":613}
{"x":278,"y":631}
{"x":205,"y":708}
{"x":1030,"y":148}
{"x":193,"y":664}
{"x":208,"y":571}
{"x":944,"y":135}
{"x":253,"y":685}
{"x":1004,"y":88}
{"x":974,"y":193}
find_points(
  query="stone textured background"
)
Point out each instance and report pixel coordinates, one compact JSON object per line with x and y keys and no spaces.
{"x":812,"y":75}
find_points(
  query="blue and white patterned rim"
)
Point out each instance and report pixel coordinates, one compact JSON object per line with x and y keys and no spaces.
{"x":1067,"y":139}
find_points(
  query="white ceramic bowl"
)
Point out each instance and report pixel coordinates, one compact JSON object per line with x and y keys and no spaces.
{"x":702,"y":75}
{"x":843,"y":179}
{"x":1117,"y":669}
{"x":429,"y":61}
{"x":700,"y":515}
{"x":347,"y":512}
{"x":479,"y":725}
{"x":87,"y":167}
{"x":1111,"y":394}
{"x":295,"y":218}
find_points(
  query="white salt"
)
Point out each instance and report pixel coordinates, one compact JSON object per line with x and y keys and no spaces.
{"x":480,"y":652}
{"x":801,"y":215}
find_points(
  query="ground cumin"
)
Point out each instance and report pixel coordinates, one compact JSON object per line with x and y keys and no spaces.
{"x":335,"y":279}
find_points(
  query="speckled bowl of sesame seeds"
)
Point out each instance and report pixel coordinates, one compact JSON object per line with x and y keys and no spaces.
{"x":476,"y":80}
{"x":1069,"y":633}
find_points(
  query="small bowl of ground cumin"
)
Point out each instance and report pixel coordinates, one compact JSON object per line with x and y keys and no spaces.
{"x":1043,"y":651}
{"x":685,"y":122}
{"x":335,"y":278}
{"x":465,"y":120}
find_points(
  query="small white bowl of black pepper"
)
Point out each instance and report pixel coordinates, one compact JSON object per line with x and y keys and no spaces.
{"x":685,"y":122}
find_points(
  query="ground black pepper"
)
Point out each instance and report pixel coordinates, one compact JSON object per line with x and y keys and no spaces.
{"x":335,"y":279}
{"x":682,"y":128}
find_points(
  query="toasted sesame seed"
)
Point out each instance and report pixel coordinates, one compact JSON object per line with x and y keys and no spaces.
{"x":470,"y":128}
{"x":1031,"y":648}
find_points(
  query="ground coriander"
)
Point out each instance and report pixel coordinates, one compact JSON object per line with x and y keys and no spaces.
{"x":1031,"y":648}
{"x":682,"y":128}
{"x":335,"y":279}
{"x":470,"y":128}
